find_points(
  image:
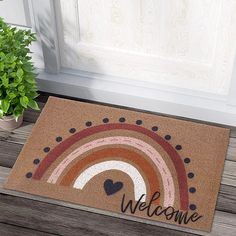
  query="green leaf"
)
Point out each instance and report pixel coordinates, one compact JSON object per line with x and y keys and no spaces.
{"x":5,"y":80}
{"x":30,"y":79}
{"x":21,"y":88}
{"x":19,"y":73}
{"x":1,"y":113}
{"x":24,"y":101}
{"x":13,"y":85}
{"x":13,"y":74}
{"x":18,"y":80}
{"x":18,"y":111}
{"x":28,"y":67}
{"x":11,"y":95}
{"x":33,"y":94}
{"x":12,"y":65}
{"x":1,"y":66}
{"x":5,"y":105}
{"x":22,"y":94}
{"x":2,"y":56}
{"x":32,"y":104}
{"x":12,"y":59}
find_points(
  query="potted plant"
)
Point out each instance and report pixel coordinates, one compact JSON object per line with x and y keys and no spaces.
{"x":18,"y":88}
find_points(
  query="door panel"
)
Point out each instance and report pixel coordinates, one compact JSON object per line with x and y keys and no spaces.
{"x":182,"y":43}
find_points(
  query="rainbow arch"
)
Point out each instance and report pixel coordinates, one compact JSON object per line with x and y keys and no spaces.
{"x":149,"y":151}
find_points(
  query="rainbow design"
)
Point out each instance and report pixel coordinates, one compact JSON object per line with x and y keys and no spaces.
{"x":145,"y":166}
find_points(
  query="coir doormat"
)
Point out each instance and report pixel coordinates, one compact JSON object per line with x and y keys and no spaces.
{"x":123,"y":161}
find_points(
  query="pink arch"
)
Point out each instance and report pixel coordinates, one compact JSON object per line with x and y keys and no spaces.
{"x":168,"y":183}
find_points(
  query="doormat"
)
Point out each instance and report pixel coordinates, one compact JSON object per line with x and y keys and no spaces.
{"x":128,"y":162}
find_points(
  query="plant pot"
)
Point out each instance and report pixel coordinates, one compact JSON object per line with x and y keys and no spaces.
{"x":9,"y":123}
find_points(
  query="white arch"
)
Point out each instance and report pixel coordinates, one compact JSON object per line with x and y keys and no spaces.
{"x":90,"y":172}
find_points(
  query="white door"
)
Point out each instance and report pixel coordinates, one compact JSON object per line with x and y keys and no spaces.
{"x":182,"y":43}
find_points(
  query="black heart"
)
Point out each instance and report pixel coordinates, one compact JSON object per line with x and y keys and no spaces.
{"x":111,"y":188}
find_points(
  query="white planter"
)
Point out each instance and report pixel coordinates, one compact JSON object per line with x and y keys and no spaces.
{"x":9,"y":122}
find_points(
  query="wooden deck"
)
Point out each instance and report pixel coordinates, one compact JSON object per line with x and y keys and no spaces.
{"x":24,"y":214}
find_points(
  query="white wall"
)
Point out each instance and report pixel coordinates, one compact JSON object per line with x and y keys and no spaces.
{"x":15,"y":12}
{"x":19,"y":13}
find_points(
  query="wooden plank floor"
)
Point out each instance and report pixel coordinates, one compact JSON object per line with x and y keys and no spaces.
{"x":25,"y":214}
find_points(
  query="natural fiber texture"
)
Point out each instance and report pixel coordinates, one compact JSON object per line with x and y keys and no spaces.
{"x":123,"y":161}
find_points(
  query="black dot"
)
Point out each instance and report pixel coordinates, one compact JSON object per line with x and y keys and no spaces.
{"x":167,"y":137}
{"x":72,"y":130}
{"x":28,"y":175}
{"x":192,"y":190}
{"x":105,"y":120}
{"x":190,"y":175}
{"x":154,"y":128}
{"x":192,"y":207}
{"x":122,"y":119}
{"x":46,"y":149}
{"x":178,"y":147}
{"x":186,"y":160}
{"x":58,"y":139}
{"x":36,"y":161}
{"x":139,"y":122}
{"x":88,"y":123}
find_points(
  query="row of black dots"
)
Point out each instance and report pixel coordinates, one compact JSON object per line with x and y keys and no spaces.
{"x":37,"y":160}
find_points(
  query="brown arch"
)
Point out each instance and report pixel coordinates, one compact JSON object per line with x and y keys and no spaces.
{"x":132,"y":156}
